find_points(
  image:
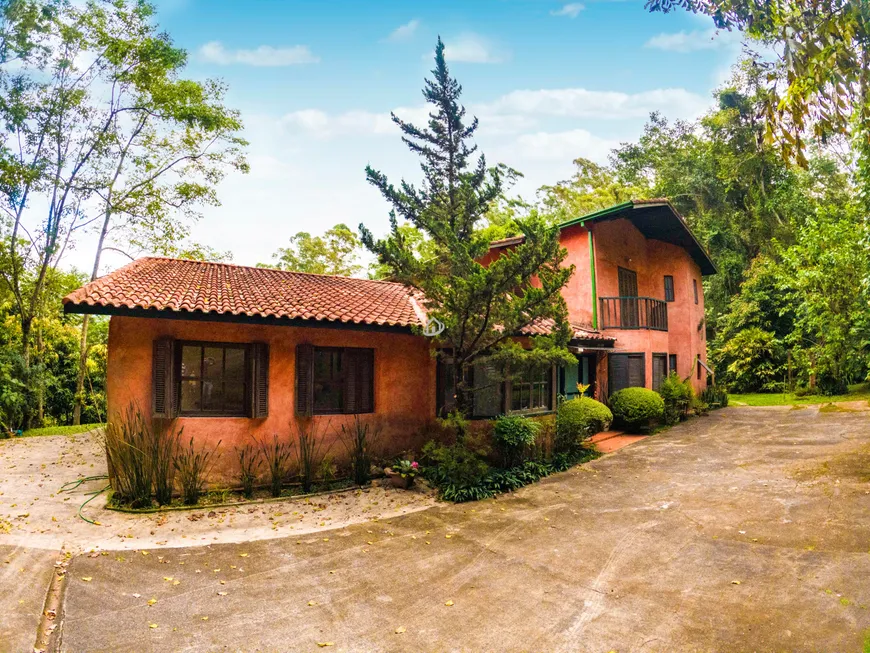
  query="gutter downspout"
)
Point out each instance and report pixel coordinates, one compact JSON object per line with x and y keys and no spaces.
{"x":592,"y":275}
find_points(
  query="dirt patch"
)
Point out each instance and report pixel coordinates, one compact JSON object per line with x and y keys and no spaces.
{"x":852,"y":466}
{"x":34,"y":513}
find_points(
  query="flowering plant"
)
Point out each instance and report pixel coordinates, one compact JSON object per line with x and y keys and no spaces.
{"x":406,"y":468}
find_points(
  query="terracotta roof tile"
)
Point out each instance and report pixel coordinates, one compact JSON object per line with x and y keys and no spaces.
{"x":197,"y":286}
{"x":182,"y":285}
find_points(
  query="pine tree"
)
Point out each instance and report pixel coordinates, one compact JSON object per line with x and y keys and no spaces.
{"x":482,"y":303}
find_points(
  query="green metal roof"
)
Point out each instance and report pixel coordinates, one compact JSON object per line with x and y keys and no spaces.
{"x":656,"y":219}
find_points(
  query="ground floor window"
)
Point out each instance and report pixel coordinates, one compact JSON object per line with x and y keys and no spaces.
{"x":490,"y":394}
{"x":672,"y":363}
{"x":660,"y":369}
{"x":533,"y":391}
{"x":334,"y":380}
{"x":626,"y":371}
{"x":213,"y":379}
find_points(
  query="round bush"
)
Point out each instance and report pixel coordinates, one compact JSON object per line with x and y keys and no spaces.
{"x":579,"y":419}
{"x":636,"y":408}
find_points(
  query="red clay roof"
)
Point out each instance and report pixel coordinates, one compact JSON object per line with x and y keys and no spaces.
{"x":180,"y":285}
{"x":543,"y":327}
{"x":219,"y":288}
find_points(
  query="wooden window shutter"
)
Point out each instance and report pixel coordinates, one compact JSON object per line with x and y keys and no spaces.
{"x":304,"y":379}
{"x":358,"y":367}
{"x":637,"y":371}
{"x":259,"y":353}
{"x":164,"y":395}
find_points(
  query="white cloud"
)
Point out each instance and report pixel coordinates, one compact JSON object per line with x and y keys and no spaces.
{"x":561,"y":147}
{"x":706,"y":39}
{"x":571,"y":10}
{"x":513,"y":113}
{"x":470,"y":48}
{"x":404,"y":32}
{"x":265,"y":55}
{"x":605,"y":105}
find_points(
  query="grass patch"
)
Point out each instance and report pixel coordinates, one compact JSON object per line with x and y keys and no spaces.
{"x":61,"y":430}
{"x":857,"y":392}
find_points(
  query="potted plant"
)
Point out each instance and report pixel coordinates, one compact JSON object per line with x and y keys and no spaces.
{"x":402,"y":473}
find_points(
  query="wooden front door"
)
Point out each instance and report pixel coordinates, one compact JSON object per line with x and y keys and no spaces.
{"x":628,"y":311}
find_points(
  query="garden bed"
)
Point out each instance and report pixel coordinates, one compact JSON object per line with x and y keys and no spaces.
{"x":235,"y":498}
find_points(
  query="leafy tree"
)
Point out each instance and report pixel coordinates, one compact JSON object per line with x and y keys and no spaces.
{"x":102,"y":131}
{"x":336,"y":252}
{"x":482,"y":306}
{"x":592,"y":187}
{"x":818,"y":83}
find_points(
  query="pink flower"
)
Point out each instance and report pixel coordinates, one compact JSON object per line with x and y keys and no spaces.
{"x":415,"y":464}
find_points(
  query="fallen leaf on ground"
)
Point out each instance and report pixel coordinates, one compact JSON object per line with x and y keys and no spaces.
{"x":735,"y":582}
{"x":136,"y":596}
{"x":87,"y":579}
{"x":152,"y":601}
{"x":312,"y":603}
{"x":221,"y":593}
{"x":243,"y":555}
{"x":449,"y":603}
{"x":400,"y":630}
{"x":205,"y":618}
{"x":152,"y":625}
{"x":325,"y":644}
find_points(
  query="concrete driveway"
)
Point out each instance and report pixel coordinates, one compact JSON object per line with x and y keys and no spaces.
{"x":748,"y":530}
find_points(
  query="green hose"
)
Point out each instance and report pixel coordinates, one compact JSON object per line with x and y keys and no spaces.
{"x":72,"y":485}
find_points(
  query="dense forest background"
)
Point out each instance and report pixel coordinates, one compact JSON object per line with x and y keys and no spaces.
{"x":102,"y":132}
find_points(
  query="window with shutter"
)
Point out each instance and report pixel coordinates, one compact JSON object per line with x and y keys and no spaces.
{"x":660,"y":369}
{"x":304,"y":379}
{"x":163,"y":402}
{"x":260,"y":380}
{"x":626,"y":371}
{"x":669,"y":288}
{"x":334,"y":380}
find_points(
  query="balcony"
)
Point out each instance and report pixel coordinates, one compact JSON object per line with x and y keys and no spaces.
{"x":632,"y":313}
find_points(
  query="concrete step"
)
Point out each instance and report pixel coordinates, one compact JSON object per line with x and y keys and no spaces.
{"x":604,"y":435}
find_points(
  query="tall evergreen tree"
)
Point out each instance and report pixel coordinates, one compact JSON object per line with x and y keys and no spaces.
{"x":482,"y":304}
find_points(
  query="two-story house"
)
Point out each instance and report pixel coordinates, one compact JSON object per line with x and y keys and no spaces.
{"x":234,"y":351}
{"x":637,"y":286}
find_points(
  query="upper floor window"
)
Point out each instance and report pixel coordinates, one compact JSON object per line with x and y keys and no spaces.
{"x":669,"y":288}
{"x":695,"y":289}
{"x":213,"y":379}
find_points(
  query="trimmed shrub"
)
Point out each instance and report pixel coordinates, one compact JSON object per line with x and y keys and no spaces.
{"x":513,"y":434}
{"x":677,"y":395}
{"x":636,"y":408}
{"x":579,"y":419}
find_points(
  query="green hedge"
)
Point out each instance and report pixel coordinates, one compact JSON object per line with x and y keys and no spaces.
{"x":636,"y":408}
{"x":579,"y":419}
{"x":677,"y":396}
{"x":498,"y":481}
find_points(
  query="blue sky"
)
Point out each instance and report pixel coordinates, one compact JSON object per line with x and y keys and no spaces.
{"x":315,"y":82}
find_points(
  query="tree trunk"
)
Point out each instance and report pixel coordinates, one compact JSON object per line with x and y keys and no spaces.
{"x":83,"y":340}
{"x":463,"y":407}
{"x":80,"y":378}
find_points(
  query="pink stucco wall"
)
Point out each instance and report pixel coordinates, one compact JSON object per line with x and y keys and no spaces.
{"x":404,"y":382}
{"x":619,"y":244}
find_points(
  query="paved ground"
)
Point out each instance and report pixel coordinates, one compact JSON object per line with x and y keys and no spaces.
{"x":24,"y":577}
{"x":748,"y":530}
{"x":33,"y":513}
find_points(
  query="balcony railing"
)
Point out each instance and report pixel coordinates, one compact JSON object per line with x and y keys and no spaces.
{"x":633,"y":313}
